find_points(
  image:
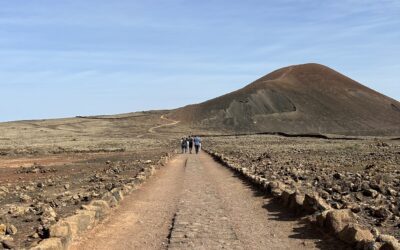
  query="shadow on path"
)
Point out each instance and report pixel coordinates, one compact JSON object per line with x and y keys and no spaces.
{"x":305,"y":230}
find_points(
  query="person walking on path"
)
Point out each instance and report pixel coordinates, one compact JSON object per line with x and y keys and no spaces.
{"x":184,"y":143}
{"x":190,"y":144}
{"x":197,"y":143}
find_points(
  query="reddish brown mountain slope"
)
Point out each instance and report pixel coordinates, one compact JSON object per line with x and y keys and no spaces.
{"x":309,"y":98}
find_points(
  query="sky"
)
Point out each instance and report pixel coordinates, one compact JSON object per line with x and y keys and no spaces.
{"x":66,"y":58}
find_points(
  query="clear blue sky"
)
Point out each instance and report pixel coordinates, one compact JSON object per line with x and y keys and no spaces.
{"x":66,"y":58}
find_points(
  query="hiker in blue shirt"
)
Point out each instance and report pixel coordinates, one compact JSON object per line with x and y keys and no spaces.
{"x":197,"y":143}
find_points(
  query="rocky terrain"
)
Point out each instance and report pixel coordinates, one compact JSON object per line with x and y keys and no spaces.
{"x":51,"y":168}
{"x":361,"y":175}
{"x":33,"y":198}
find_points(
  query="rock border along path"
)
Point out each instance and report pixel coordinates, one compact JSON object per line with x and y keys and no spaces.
{"x":68,"y":230}
{"x":196,"y":203}
{"x":217,"y":210}
{"x":340,"y":223}
{"x":144,"y":218}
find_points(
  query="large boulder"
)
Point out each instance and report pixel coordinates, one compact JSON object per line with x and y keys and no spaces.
{"x":285,"y":196}
{"x":321,"y":218}
{"x":337,"y":220}
{"x":388,"y":242}
{"x":81,"y":222}
{"x":296,"y":201}
{"x":110,"y":199}
{"x":276,"y":188}
{"x":313,"y":203}
{"x":101,"y":208}
{"x":63,"y":231}
{"x":356,"y":236}
{"x":48,"y":214}
{"x":117,"y":193}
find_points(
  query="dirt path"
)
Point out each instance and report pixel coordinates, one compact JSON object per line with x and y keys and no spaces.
{"x":201,"y":205}
{"x":152,"y":129}
{"x":144,"y":218}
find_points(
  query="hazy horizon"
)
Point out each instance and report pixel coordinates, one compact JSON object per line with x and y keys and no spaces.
{"x":68,"y":58}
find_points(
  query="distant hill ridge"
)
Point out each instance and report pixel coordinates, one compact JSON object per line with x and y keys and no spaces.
{"x":307,"y":98}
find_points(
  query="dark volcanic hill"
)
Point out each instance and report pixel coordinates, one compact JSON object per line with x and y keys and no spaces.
{"x":308,"y":98}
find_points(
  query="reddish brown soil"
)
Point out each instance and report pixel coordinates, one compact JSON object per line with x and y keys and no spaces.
{"x":309,"y":98}
{"x":48,"y":160}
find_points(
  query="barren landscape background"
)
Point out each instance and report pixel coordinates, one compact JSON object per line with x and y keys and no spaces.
{"x":49,"y":169}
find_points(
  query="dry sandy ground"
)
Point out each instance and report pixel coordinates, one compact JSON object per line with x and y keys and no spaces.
{"x":195,"y":203}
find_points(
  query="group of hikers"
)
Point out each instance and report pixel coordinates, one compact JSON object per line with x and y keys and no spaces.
{"x":188,"y":143}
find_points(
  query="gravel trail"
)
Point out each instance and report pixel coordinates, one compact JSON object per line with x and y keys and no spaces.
{"x":195,"y":203}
